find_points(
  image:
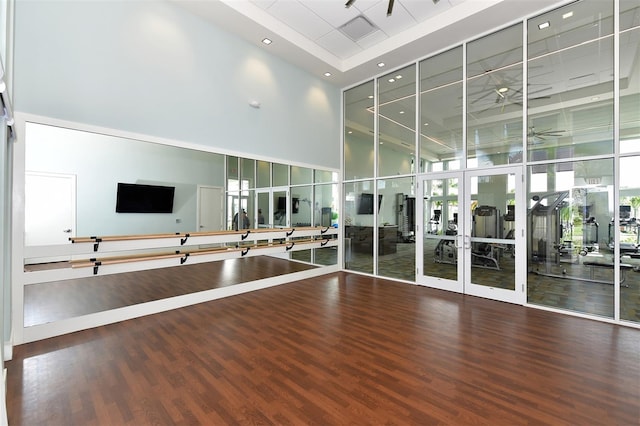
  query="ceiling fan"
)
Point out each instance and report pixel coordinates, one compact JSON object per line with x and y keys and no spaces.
{"x":389,"y":8}
{"x":538,"y":137}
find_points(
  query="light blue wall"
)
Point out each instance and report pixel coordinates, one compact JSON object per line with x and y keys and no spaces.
{"x":152,"y":68}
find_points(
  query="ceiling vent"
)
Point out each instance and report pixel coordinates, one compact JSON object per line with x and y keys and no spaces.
{"x":357,"y":28}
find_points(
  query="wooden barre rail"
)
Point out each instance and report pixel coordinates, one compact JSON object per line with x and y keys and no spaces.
{"x":94,"y":239}
{"x":184,"y":254}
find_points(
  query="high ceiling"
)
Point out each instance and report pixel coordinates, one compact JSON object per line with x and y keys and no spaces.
{"x":325,"y":36}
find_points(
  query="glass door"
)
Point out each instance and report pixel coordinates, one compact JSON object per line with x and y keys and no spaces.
{"x":472,"y":237}
{"x":439,"y":238}
{"x":494,"y":249}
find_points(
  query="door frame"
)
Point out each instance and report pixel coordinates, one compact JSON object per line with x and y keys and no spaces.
{"x":463,"y":241}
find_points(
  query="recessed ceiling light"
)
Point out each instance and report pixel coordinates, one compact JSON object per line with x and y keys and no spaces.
{"x":398,"y":77}
{"x":380,"y":64}
{"x":567,"y":15}
{"x":350,"y":132}
{"x":544,"y":25}
{"x":327,"y":74}
{"x":391,"y":80}
{"x":426,"y":124}
{"x":401,"y":112}
{"x":503,"y":89}
{"x":266,"y":41}
{"x":370,"y":96}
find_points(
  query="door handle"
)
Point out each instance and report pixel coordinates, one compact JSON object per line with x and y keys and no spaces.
{"x":66,"y":231}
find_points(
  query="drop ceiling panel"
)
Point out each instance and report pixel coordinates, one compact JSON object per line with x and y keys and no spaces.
{"x":301,"y":19}
{"x":333,"y":12}
{"x":372,"y":39}
{"x":399,"y":21}
{"x":423,"y":9}
{"x":339,"y":44}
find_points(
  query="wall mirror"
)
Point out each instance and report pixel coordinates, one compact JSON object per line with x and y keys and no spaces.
{"x":72,"y":177}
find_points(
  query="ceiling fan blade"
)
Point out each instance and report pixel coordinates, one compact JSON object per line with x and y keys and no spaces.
{"x":390,"y":8}
{"x":349,"y":3}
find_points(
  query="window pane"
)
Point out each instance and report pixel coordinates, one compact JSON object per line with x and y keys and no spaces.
{"x":280,"y":174}
{"x":629,"y":92}
{"x":248,"y":173}
{"x":441,"y":110}
{"x":358,"y":132}
{"x":301,"y":175}
{"x":629,"y":238}
{"x":570,"y":102}
{"x":358,"y":226}
{"x":264,"y":174}
{"x":494,"y":98}
{"x":570,"y":258}
{"x":397,"y":122}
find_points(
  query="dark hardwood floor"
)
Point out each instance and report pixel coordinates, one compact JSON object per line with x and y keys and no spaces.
{"x":334,"y":350}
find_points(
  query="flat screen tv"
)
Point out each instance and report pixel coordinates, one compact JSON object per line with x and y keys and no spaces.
{"x":365,"y":203}
{"x":135,"y":198}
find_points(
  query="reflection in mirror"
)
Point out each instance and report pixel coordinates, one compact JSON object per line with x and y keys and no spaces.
{"x":323,"y":176}
{"x":397,"y":122}
{"x":570,"y":113}
{"x":301,"y":175}
{"x":280,"y":174}
{"x":358,"y":132}
{"x":264,"y":174}
{"x":248,"y":173}
{"x":56,"y":157}
{"x":571,"y":261}
{"x":494,"y":98}
{"x":441,"y":110}
{"x":629,"y":238}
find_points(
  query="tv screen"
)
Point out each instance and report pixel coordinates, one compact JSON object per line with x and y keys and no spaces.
{"x":135,"y":198}
{"x":365,"y":203}
{"x":282,"y":204}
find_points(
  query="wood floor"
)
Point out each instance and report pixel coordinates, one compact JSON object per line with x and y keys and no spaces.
{"x":334,"y":350}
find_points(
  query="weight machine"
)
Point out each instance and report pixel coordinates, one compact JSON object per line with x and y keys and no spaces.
{"x":486,"y":223}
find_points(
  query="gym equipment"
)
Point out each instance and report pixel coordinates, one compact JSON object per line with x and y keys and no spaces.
{"x":434,"y":223}
{"x":486,"y":223}
{"x":628,"y":225}
{"x":446,"y":250}
{"x":546,"y":242}
{"x":405,"y":212}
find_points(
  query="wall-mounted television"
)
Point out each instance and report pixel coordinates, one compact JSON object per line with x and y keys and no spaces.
{"x":365,"y":203}
{"x":136,"y":198}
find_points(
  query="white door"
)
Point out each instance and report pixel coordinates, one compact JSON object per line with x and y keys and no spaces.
{"x":210,"y":208}
{"x":49,"y":208}
{"x":472,"y":236}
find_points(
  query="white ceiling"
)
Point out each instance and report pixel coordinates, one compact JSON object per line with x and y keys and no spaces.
{"x":307,"y":32}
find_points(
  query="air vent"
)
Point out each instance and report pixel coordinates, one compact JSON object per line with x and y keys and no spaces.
{"x":358,"y":28}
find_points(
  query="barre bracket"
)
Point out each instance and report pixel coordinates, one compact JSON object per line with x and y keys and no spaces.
{"x":244,"y":237}
{"x":95,"y":267}
{"x":290,"y":233}
{"x":290,"y":247}
{"x":184,"y":240}
{"x":184,"y":259}
{"x":324,"y":231}
{"x":245,"y":251}
{"x":96,"y":243}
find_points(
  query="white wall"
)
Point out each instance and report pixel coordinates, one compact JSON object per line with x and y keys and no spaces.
{"x":150,"y":67}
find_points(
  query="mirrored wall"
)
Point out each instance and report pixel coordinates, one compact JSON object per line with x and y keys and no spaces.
{"x":82,"y":184}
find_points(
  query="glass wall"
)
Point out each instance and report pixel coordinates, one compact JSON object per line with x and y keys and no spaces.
{"x":543,"y":93}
